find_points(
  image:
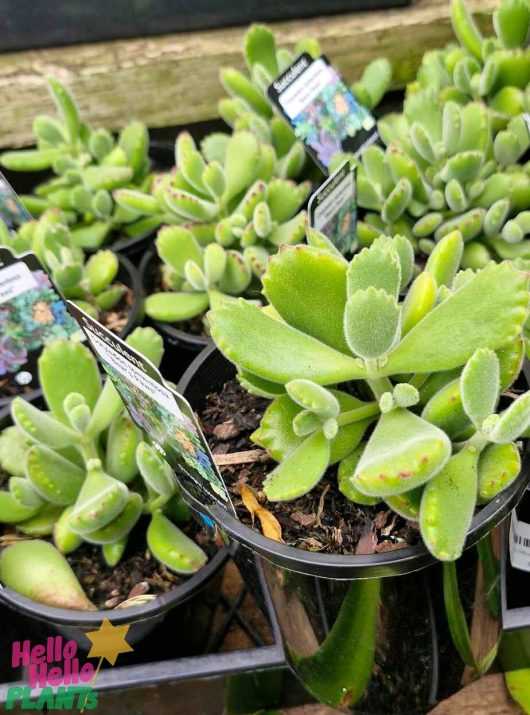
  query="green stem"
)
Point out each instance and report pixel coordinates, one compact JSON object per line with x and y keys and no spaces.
{"x":371,"y":409}
{"x":88,"y":449}
{"x":490,"y":571}
{"x":419,"y":379}
{"x":456,"y":618}
{"x":156,"y":503}
{"x":478,"y":440}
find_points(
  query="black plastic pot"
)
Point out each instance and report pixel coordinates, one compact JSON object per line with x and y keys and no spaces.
{"x":143,"y":619}
{"x":180,"y":347}
{"x":128,"y":275}
{"x":302,"y":583}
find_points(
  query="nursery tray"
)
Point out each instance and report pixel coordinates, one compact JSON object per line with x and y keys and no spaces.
{"x":241,"y":639}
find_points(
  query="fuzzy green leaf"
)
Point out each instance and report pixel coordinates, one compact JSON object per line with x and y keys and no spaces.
{"x":54,"y":477}
{"x":172,"y":547}
{"x":512,"y":422}
{"x":479,"y":385}
{"x":498,"y":466}
{"x":371,"y":322}
{"x":378,"y":267}
{"x":40,"y":427}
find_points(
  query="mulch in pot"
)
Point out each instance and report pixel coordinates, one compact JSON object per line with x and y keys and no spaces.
{"x":322,"y":520}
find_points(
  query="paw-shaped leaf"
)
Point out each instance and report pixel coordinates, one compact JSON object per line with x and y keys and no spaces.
{"x":371,"y":322}
{"x":479,"y":385}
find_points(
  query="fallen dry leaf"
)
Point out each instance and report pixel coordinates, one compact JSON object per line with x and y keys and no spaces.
{"x":226,"y":430}
{"x":304,"y":519}
{"x":269,"y":523}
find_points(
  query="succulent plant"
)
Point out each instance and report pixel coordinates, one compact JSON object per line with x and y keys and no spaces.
{"x":247,"y":107}
{"x":442,"y":171}
{"x":422,"y":431}
{"x":89,"y":283}
{"x":87,"y":165}
{"x":81,"y":472}
{"x":495,"y":70}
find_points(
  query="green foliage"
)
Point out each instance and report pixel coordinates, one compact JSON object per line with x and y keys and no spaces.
{"x":92,"y":283}
{"x":432,"y":452}
{"x":87,"y":164}
{"x":82,"y":473}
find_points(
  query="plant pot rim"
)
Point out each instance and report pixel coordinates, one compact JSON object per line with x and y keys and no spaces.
{"x":135,"y":284}
{"x":174,"y":334}
{"x":70,"y":617}
{"x":353,"y":566}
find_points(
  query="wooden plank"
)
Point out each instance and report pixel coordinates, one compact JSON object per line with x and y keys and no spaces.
{"x":172,"y":80}
{"x":487,"y":696}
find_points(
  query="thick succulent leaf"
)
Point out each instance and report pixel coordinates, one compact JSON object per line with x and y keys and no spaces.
{"x":241,"y":160}
{"x":275,"y":432}
{"x":512,"y":422}
{"x":448,"y":504}
{"x":494,"y":302}
{"x":257,"y":385}
{"x":176,"y":246}
{"x":420,"y":299}
{"x":54,"y":477}
{"x":189,"y":206}
{"x":37,"y":570}
{"x":377,"y":267}
{"x":403,"y":452}
{"x":13,"y":448}
{"x":12,"y":511}
{"x":308,"y":289}
{"x":445,"y":259}
{"x":24,"y":492}
{"x":42,"y":523}
{"x":260,"y":48}
{"x":445,"y":410}
{"x":316,"y":239}
{"x":213,"y":146}
{"x":155,"y":471}
{"x":100,"y":501}
{"x":510,"y":361}
{"x":284,"y":198}
{"x":174,"y":307}
{"x":172,"y":547}
{"x":40,"y":427}
{"x":119,"y":527}
{"x":276,"y":351}
{"x":313,"y":397}
{"x":291,"y":232}
{"x":237,"y":274}
{"x":300,"y":471}
{"x":64,"y":538}
{"x":78,"y":372}
{"x":123,"y":439}
{"x":407,"y":504}
{"x":498,"y":466}
{"x":345,"y":472}
{"x":405,"y":253}
{"x":371,"y":322}
{"x":148,"y":342}
{"x":479,"y":385}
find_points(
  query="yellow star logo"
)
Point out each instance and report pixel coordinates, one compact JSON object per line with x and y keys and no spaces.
{"x":108,"y":641}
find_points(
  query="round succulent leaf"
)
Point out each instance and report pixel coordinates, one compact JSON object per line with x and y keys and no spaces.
{"x":510,"y":358}
{"x":405,"y":253}
{"x":448,"y":504}
{"x":237,"y":275}
{"x":313,"y":397}
{"x":290,"y":232}
{"x":241,"y":159}
{"x":403,"y":452}
{"x":40,"y":426}
{"x":100,"y":501}
{"x":284,"y":198}
{"x":512,"y":422}
{"x":257,"y":386}
{"x":445,"y":258}
{"x":101,"y":269}
{"x":155,"y":471}
{"x":300,"y":471}
{"x":38,"y":571}
{"x":123,"y":439}
{"x":371,"y":322}
{"x":175,"y":307}
{"x":119,"y":527}
{"x":63,"y":537}
{"x":12,"y":511}
{"x":498,"y":466}
{"x":420,"y":300}
{"x":42,"y":523}
{"x":13,"y":448}
{"x":407,"y":504}
{"x":172,"y":548}
{"x":55,"y":478}
{"x":24,"y":492}
{"x":188,"y":206}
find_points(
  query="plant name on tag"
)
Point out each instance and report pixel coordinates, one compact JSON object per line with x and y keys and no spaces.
{"x":160,"y":412}
{"x":12,"y":210}
{"x":32,"y":312}
{"x":324,"y":114}
{"x":332,"y":208}
{"x":519,"y":543}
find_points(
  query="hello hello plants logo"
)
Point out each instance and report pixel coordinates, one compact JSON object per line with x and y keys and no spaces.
{"x":56,"y":669}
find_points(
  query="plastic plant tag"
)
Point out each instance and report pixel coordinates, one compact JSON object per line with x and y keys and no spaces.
{"x":12,"y":210}
{"x":519,"y":543}
{"x":333,"y":209}
{"x":163,"y":414}
{"x":322,"y":110}
{"x":526,"y":156}
{"x":32,"y":312}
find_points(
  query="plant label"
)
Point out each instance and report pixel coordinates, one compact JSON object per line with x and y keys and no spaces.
{"x":32,"y":312}
{"x":12,"y":210}
{"x":324,"y":114}
{"x":526,"y":155}
{"x":519,"y":543}
{"x":332,"y":208}
{"x":160,"y":412}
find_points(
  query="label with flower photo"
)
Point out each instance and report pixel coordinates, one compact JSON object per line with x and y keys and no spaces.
{"x":12,"y":210}
{"x":31,"y":314}
{"x":163,"y":414}
{"x":324,"y":114}
{"x":332,"y":208}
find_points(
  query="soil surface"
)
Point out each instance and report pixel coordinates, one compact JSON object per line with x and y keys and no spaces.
{"x":116,"y":318}
{"x":323,"y":520}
